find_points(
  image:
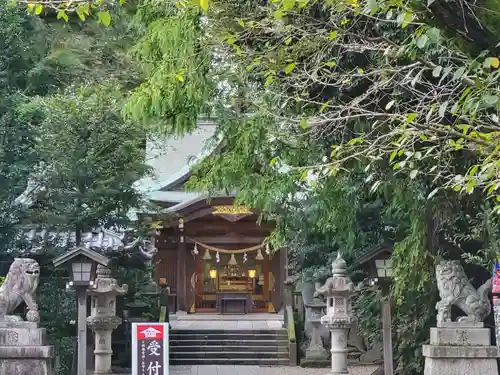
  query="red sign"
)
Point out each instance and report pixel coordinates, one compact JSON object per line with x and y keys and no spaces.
{"x":150,"y":349}
{"x":150,"y":332}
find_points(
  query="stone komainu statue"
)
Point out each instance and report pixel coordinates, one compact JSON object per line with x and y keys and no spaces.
{"x":20,"y":286}
{"x":455,"y":289}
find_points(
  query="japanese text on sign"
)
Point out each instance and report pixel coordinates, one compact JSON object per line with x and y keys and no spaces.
{"x":150,"y":356}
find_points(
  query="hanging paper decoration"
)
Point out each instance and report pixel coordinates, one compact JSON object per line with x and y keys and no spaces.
{"x":232,"y":261}
{"x":217,"y":257}
{"x":207,"y":255}
{"x":257,"y":248}
{"x":245,"y":257}
{"x":259,"y":255}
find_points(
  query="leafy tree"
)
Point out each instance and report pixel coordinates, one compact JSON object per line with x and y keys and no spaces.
{"x":49,"y":71}
{"x":349,"y":123}
{"x":176,"y":86}
{"x":18,"y":35}
{"x":92,"y":158}
{"x":42,"y":56}
{"x":361,"y":105}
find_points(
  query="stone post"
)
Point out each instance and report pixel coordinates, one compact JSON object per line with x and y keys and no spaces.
{"x":287,"y":298}
{"x":103,"y":319}
{"x":337,"y":291}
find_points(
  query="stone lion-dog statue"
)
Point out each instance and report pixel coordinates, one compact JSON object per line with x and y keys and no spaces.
{"x":455,"y":289}
{"x":19,"y":286}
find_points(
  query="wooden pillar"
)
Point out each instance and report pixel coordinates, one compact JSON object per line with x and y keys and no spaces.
{"x":181,"y":269}
{"x":387,"y":336}
{"x":265,"y":271}
{"x":82,"y":330}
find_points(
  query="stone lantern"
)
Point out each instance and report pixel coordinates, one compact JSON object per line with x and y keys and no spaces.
{"x":315,"y":351}
{"x":103,"y":319}
{"x":337,"y":291}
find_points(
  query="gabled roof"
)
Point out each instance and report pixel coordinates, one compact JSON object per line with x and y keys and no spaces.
{"x":82,"y":251}
{"x":200,"y":198}
{"x":371,"y":253}
{"x":171,"y":160}
{"x":174,"y":197}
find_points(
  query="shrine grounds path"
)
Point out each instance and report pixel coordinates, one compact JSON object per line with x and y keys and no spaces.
{"x":257,"y":370}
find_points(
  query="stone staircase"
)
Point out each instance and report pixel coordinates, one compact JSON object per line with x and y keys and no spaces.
{"x":229,"y":347}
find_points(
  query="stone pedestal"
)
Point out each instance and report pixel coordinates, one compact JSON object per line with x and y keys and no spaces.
{"x":460,"y":349}
{"x":338,"y":349}
{"x":24,"y":350}
{"x":103,"y":328}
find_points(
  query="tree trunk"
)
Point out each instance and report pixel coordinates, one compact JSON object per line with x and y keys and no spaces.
{"x":78,"y":234}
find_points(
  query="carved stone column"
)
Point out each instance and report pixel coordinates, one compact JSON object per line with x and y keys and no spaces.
{"x":338,"y":318}
{"x":103,"y":319}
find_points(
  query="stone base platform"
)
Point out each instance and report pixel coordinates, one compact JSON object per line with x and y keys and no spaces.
{"x":460,"y":349}
{"x":461,"y":366}
{"x":259,"y":370}
{"x":326,"y":363}
{"x":23,"y":350}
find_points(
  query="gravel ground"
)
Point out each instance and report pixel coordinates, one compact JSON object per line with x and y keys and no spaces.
{"x":256,"y":370}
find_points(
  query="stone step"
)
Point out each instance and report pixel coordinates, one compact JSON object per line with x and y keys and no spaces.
{"x":261,"y":347}
{"x":189,"y":335}
{"x":227,"y":349}
{"x":231,"y":361}
{"x":230,"y":331}
{"x":235,"y":343}
{"x":229,"y":355}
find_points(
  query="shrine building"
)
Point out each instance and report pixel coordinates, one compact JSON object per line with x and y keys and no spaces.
{"x":212,"y":254}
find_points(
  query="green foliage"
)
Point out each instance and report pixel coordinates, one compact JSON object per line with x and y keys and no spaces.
{"x":349,"y":123}
{"x":39,"y":58}
{"x":57,"y":311}
{"x":93,"y":157}
{"x":62,"y":84}
{"x":175,"y":89}
{"x":358,"y":116}
{"x":16,"y":157}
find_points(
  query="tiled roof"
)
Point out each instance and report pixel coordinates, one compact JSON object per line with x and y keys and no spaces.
{"x":37,"y":240}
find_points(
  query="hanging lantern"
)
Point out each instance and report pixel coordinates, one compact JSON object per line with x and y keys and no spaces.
{"x":213,"y":273}
{"x":251,"y":273}
{"x":259,"y":255}
{"x":268,"y":249}
{"x":195,"y":249}
{"x":217,"y":257}
{"x":245,"y":257}
{"x":207,"y":255}
{"x":232,"y":261}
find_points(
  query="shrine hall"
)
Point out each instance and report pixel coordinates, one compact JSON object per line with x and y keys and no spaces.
{"x":214,"y":255}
